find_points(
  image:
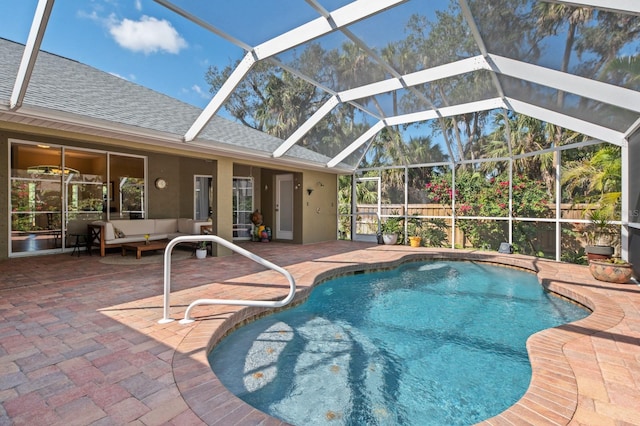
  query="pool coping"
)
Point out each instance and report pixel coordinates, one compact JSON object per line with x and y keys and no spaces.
{"x":552,"y":397}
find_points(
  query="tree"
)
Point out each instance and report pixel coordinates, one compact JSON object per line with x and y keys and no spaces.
{"x":431,"y":43}
{"x":603,"y":41}
{"x":623,"y":70}
{"x":552,"y":16}
{"x":596,"y":178}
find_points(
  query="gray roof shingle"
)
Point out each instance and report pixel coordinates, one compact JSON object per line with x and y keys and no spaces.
{"x":68,"y":86}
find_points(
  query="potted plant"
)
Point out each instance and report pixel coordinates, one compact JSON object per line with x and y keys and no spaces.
{"x":201,"y":249}
{"x":599,"y":235}
{"x":414,"y":231}
{"x":390,"y":229}
{"x":613,"y":270}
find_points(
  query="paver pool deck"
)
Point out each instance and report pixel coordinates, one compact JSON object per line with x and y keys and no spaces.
{"x":80,"y":341}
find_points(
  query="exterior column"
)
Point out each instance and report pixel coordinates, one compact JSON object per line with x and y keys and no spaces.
{"x":223,"y":216}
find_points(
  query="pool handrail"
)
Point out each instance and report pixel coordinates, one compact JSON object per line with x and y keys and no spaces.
{"x":221,"y":241}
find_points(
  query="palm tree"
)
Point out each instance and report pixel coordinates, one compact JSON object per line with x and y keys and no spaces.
{"x":597,"y":178}
{"x":551,"y":17}
{"x":624,"y":69}
{"x":526,"y":134}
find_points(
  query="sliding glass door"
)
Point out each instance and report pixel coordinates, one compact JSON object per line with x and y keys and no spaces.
{"x":54,"y":185}
{"x":36,"y":198}
{"x":85,"y":185}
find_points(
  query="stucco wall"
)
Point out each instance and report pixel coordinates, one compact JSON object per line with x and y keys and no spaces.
{"x":319,"y":209}
{"x":314,"y":215}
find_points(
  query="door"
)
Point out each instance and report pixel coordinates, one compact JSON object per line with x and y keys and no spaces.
{"x":367,"y":209}
{"x":36,"y":198}
{"x":50,"y":187}
{"x":284,"y":207}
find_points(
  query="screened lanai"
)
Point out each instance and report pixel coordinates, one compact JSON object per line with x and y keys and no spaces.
{"x":475,"y":122}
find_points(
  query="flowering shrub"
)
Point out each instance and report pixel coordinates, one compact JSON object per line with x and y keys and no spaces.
{"x":440,"y":189}
{"x":479,"y":195}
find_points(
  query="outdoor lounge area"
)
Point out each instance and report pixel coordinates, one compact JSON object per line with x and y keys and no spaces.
{"x":87,"y":347}
{"x":330,"y":137}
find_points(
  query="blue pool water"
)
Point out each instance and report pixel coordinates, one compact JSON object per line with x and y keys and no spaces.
{"x":439,"y":343}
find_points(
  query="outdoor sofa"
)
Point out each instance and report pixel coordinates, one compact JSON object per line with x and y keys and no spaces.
{"x":114,"y":233}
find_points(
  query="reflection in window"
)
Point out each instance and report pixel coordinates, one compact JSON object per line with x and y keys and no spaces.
{"x":126,"y":187}
{"x":242,"y":207}
{"x":132,"y":197}
{"x":53,"y":186}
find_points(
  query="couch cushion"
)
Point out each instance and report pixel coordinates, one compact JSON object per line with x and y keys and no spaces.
{"x":139,"y":238}
{"x":185,"y":225}
{"x":191,"y":226}
{"x":135,"y":227}
{"x":165,"y":226}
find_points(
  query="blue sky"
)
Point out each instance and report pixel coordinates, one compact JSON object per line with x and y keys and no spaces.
{"x":136,"y":40}
{"x":147,"y":44}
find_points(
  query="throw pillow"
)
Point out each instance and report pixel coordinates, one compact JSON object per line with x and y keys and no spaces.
{"x":118,"y":232}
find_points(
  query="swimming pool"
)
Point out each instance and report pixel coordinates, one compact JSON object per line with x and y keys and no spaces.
{"x":427,"y":343}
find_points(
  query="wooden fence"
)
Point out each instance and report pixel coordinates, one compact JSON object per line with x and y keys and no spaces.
{"x":572,"y":236}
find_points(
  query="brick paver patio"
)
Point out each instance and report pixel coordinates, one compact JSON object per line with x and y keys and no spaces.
{"x":80,"y":341}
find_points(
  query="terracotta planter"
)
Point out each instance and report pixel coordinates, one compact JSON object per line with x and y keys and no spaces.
{"x":415,"y":241}
{"x":611,"y":272}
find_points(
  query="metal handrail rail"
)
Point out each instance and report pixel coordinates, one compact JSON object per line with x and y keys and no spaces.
{"x":221,"y":241}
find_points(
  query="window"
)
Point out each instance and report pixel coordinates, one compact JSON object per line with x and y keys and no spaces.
{"x":53,"y":185}
{"x":203,"y":194}
{"x":242,"y":207}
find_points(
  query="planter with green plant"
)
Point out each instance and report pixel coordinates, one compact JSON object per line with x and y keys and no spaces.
{"x":390,"y":229}
{"x":201,"y":249}
{"x":414,"y":231}
{"x":599,"y":235}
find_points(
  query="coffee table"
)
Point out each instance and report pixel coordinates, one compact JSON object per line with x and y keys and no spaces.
{"x":141,"y":246}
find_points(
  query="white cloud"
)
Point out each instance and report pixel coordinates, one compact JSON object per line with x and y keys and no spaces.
{"x":199,"y":91}
{"x":148,"y":35}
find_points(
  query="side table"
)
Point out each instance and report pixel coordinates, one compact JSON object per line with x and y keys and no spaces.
{"x":82,"y":240}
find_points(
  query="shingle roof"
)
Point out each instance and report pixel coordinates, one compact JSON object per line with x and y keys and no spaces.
{"x":67,"y":86}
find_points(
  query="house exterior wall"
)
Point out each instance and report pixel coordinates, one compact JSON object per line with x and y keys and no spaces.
{"x":315,"y":217}
{"x":178,"y":172}
{"x":319,"y":209}
{"x":223,"y":214}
